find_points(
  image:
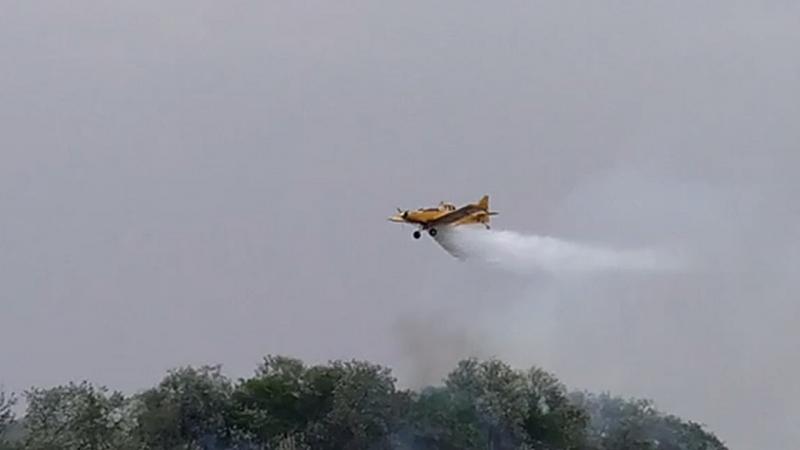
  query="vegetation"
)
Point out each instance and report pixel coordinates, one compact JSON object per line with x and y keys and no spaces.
{"x":6,"y":418}
{"x":346,"y":405}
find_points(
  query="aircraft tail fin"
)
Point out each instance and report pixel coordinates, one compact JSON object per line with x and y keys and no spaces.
{"x":484,"y":203}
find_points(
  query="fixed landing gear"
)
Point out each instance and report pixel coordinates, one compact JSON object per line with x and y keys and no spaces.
{"x":418,"y":234}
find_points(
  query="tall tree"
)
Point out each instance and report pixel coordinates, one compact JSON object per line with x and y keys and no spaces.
{"x":75,"y":416}
{"x":276,"y":403}
{"x":487,"y":404}
{"x":440,"y":418}
{"x":617,"y":423}
{"x":553,"y":421}
{"x":499,"y":399}
{"x":7,"y":402}
{"x":187,"y":410}
{"x":342,"y":405}
{"x":363,"y":407}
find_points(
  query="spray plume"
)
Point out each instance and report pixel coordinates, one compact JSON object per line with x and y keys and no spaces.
{"x":520,"y":253}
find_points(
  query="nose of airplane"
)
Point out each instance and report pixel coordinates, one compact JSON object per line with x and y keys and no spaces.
{"x":401,"y":216}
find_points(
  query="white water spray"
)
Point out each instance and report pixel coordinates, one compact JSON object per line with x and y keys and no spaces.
{"x":521,"y":253}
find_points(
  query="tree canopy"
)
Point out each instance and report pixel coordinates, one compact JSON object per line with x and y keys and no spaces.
{"x":347,"y":405}
{"x":7,"y":402}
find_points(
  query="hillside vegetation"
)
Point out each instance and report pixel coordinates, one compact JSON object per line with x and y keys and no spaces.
{"x":289,"y":405}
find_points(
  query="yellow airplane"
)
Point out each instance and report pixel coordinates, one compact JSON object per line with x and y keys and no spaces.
{"x":445,"y":215}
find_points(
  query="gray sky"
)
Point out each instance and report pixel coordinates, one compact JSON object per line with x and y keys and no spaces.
{"x":207,"y":182}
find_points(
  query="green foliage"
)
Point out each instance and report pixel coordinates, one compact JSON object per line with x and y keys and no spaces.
{"x":349,"y":405}
{"x":621,"y":424}
{"x":339,"y":406}
{"x":271,"y":405}
{"x":440,"y":418}
{"x":498,"y":398}
{"x":187,"y":410}
{"x":362,"y":410}
{"x":75,"y":416}
{"x":7,"y":402}
{"x":489,"y":405}
{"x":553,"y":420}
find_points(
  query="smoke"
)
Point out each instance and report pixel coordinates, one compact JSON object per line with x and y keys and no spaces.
{"x":521,"y":322}
{"x":526,"y":254}
{"x":435,"y":342}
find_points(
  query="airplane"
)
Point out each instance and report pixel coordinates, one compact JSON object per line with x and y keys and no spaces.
{"x":445,"y":215}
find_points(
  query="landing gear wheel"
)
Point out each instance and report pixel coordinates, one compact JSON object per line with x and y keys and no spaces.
{"x":417,"y":234}
{"x":432,"y":232}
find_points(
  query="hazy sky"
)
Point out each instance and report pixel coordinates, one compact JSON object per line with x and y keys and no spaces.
{"x":202,"y":182}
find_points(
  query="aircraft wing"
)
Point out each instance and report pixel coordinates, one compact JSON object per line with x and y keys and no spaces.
{"x":454,"y":216}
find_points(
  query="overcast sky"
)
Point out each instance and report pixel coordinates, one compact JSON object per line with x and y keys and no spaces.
{"x":208,"y":182}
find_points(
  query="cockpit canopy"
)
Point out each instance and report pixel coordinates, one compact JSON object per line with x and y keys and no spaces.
{"x":443,"y":206}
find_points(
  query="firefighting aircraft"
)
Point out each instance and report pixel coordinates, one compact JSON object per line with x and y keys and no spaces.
{"x":445,"y":215}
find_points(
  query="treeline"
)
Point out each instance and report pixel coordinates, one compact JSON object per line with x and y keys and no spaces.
{"x":288,"y":405}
